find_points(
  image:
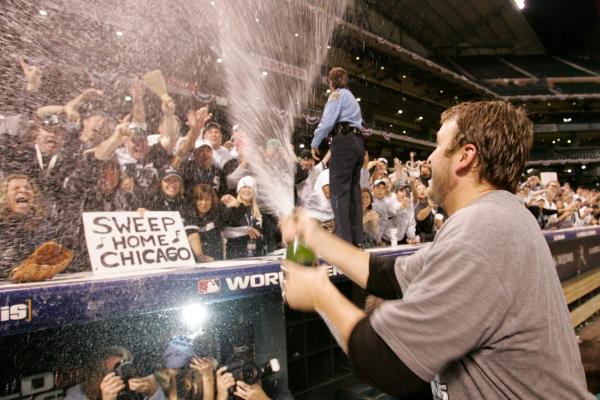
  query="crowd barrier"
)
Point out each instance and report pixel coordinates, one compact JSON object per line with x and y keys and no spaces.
{"x":72,"y":299}
{"x":47,"y":327}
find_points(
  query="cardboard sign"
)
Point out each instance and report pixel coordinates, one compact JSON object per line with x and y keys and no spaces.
{"x":547,"y":177}
{"x":126,"y":240}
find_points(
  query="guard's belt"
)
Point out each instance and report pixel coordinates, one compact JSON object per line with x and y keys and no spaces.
{"x":344,"y":128}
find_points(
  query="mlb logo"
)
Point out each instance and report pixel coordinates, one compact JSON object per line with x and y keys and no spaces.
{"x":208,"y":286}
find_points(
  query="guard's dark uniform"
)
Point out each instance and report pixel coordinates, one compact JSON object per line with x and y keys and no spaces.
{"x":342,"y":122}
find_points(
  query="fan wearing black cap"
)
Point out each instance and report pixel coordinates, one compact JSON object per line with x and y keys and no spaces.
{"x":130,"y":144}
{"x":108,"y":187}
{"x":200,"y":169}
{"x":170,"y":193}
{"x":45,"y":154}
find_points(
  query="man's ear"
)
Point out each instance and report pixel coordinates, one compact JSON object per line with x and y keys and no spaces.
{"x":468,"y":159}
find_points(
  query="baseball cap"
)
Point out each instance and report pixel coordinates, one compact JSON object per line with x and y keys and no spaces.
{"x":168,"y":171}
{"x":137,"y":131}
{"x":246,"y":181}
{"x":178,"y":353}
{"x":274,"y":143}
{"x":378,"y":182}
{"x":203,"y":143}
{"x":383,"y":160}
{"x":401,"y":185}
{"x":212,"y":124}
{"x":306,"y":154}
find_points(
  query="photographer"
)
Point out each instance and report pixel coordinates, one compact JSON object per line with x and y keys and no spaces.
{"x":101,"y":379}
{"x":243,"y":390}
{"x":225,"y":381}
{"x":185,"y":375}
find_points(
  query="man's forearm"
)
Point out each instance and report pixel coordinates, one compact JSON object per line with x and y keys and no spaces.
{"x":208,"y":387}
{"x":424,"y":213}
{"x":351,"y":260}
{"x":340,"y":314}
{"x":169,"y":139}
{"x":105,"y":150}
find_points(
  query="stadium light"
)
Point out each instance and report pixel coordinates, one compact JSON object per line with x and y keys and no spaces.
{"x":583,"y":167}
{"x":520,"y":4}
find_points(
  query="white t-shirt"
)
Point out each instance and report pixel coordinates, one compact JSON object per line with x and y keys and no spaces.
{"x":318,"y":206}
{"x":306,"y":187}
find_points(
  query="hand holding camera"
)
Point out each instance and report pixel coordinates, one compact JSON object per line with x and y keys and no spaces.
{"x":111,"y":385}
{"x":225,"y":382}
{"x":242,"y":379}
{"x":204,"y":365}
{"x":250,"y":392}
{"x":146,"y":385}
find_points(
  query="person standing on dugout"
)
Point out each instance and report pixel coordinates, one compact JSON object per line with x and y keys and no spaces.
{"x":342,"y":124}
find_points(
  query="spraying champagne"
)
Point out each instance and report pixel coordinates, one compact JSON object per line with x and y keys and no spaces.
{"x":301,"y":254}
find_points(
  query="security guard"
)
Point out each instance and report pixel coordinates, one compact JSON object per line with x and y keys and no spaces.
{"x":342,"y":124}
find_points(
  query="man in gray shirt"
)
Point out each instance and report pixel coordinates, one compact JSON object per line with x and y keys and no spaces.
{"x":479,"y":312}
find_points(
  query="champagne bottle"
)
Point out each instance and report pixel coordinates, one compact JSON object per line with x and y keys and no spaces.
{"x":301,"y":254}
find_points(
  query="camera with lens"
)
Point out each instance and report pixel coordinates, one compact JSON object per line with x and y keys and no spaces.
{"x":249,"y":372}
{"x":126,"y":371}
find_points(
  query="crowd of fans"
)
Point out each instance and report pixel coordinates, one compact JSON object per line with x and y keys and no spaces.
{"x":560,"y":207}
{"x":74,"y":158}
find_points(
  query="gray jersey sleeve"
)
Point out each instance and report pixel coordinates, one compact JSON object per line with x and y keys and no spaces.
{"x":407,"y":268}
{"x":449,"y":294}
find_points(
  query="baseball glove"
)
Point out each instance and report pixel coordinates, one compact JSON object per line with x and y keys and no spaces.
{"x":46,"y":261}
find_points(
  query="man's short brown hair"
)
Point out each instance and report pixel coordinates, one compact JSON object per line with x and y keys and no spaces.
{"x":338,"y":78}
{"x":502,"y":134}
